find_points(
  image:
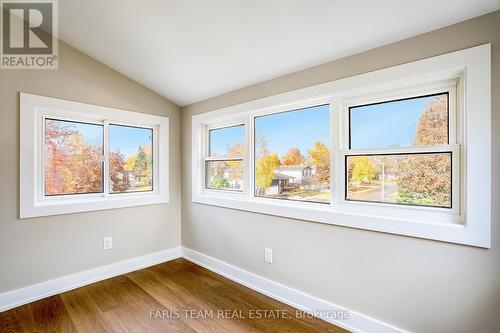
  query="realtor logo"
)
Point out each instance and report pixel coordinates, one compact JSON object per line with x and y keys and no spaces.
{"x":29,"y":34}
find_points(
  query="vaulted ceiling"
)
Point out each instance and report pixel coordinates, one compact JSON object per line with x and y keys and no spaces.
{"x":190,"y":50}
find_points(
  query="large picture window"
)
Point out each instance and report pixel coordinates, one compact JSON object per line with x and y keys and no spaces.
{"x":292,"y":155}
{"x":78,"y":157}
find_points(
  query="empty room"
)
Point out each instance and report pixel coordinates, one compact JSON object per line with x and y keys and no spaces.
{"x":250,"y":166}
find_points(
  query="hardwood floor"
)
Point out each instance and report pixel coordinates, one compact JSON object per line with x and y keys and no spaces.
{"x":177,"y":296}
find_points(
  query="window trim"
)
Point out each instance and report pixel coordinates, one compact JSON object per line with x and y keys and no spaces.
{"x":33,"y":200}
{"x":471,"y":68}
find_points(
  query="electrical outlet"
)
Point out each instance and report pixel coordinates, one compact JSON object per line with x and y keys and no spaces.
{"x":107,"y":242}
{"x":268,"y":255}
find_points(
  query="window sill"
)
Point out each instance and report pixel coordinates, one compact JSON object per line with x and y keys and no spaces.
{"x":358,"y":215}
{"x":67,"y":205}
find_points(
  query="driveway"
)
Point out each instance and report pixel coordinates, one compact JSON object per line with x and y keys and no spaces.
{"x":375,"y":194}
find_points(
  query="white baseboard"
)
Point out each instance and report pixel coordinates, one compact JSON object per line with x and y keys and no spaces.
{"x":17,"y":297}
{"x":356,"y":323}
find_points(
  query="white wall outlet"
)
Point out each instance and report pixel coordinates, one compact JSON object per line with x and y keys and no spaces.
{"x":268,"y":255}
{"x":108,"y":242}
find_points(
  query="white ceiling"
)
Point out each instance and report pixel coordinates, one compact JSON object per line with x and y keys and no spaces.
{"x":190,"y":50}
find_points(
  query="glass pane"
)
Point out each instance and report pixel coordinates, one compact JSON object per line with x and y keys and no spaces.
{"x":227,"y":141}
{"x":73,"y":157}
{"x":418,"y":121}
{"x":293,"y":155}
{"x":414,"y":179}
{"x":130,"y":159}
{"x":224,"y":175}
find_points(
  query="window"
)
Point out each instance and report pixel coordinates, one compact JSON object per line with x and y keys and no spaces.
{"x":224,"y":170}
{"x":422,"y":179}
{"x":130,"y":159}
{"x":411,"y":176}
{"x":404,"y":150}
{"x":78,"y":157}
{"x":292,"y":155}
{"x":73,"y":154}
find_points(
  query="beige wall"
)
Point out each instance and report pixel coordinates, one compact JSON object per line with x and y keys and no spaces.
{"x":38,"y":249}
{"x":415,"y":284}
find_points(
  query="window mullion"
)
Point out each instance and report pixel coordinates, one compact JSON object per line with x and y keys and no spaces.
{"x":250,"y":156}
{"x":106,"y":177}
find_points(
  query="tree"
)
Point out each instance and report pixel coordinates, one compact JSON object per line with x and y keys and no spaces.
{"x":71,"y":164}
{"x":320,"y":157}
{"x":235,"y":170}
{"x":362,"y":169}
{"x":432,"y":127}
{"x":142,"y":167}
{"x":220,"y":182}
{"x":293,"y":157}
{"x":117,"y":175}
{"x":130,"y":163}
{"x":264,"y":171}
{"x":426,"y":178}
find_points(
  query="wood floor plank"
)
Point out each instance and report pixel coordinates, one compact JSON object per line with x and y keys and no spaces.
{"x":50,"y":315}
{"x":310,"y":321}
{"x":86,"y":315}
{"x":216,"y":290}
{"x":9,"y":323}
{"x":177,"y":296}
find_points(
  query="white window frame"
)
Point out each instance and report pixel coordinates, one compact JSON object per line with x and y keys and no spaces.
{"x":465,"y":74}
{"x":455,"y":116}
{"x":33,"y":200}
{"x":208,"y":158}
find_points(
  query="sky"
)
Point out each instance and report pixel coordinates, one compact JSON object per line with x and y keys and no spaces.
{"x":388,"y":124}
{"x":92,"y":133}
{"x":123,"y":138}
{"x":299,"y":128}
{"x":128,"y":139}
{"x":221,"y":139}
{"x":294,"y":129}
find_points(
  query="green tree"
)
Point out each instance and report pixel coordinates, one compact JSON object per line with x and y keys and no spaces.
{"x":220,"y":182}
{"x":142,"y":166}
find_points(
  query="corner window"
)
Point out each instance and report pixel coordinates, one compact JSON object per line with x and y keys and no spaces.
{"x":79,"y":157}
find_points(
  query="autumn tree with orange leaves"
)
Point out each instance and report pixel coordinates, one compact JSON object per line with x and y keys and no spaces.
{"x":71,"y":164}
{"x":293,"y":157}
